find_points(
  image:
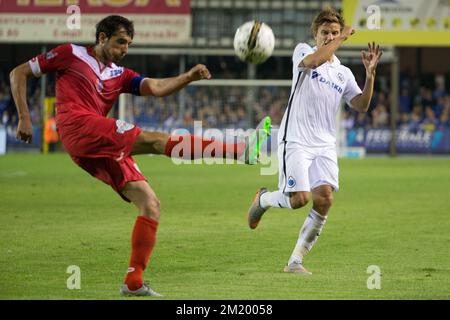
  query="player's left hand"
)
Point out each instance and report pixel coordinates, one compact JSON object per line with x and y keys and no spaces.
{"x":371,"y":57}
{"x":199,"y":72}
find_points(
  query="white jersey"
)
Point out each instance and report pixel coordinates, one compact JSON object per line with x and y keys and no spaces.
{"x":310,"y":116}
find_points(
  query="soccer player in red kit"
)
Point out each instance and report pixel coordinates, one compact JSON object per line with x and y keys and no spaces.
{"x":88,"y":82}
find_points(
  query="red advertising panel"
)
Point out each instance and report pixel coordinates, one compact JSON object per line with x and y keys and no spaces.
{"x":97,"y":6}
{"x":156,"y":21}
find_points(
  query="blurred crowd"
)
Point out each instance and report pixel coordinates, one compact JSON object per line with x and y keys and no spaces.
{"x":428,"y":109}
{"x":225,"y":107}
{"x":8,"y":113}
{"x":216,"y":107}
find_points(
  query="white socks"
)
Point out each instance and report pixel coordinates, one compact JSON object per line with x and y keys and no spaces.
{"x":309,"y":233}
{"x":275,"y":199}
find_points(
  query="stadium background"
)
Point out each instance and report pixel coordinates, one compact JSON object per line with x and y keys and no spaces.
{"x":391,"y":212}
{"x":411,"y":91}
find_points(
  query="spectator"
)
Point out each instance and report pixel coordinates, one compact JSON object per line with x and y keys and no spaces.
{"x":50,"y":133}
{"x":405,"y":120}
{"x":405,"y":101}
{"x":347,"y":121}
{"x":5,"y":118}
{"x":439,"y":106}
{"x":380,"y":116}
{"x":424,"y":98}
{"x":416,"y":117}
{"x":362,"y":121}
{"x":440,"y":87}
{"x":188,"y":120}
{"x":444,"y":122}
{"x":430,"y":122}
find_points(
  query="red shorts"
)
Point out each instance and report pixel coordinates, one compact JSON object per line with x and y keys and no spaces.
{"x":101,"y":146}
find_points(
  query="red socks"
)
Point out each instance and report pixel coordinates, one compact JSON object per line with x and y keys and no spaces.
{"x":191,"y":147}
{"x":143,"y":240}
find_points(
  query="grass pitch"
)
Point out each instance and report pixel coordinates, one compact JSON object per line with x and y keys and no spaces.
{"x":392,"y":213}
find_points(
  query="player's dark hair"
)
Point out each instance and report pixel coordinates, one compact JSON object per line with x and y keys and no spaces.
{"x":327,"y":15}
{"x":111,"y":24}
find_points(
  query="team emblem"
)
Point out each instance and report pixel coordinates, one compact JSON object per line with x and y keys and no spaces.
{"x":123,"y":126}
{"x":50,"y":55}
{"x":291,"y":182}
{"x":341,"y":77}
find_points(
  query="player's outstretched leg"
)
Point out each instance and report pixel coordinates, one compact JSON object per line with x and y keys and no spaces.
{"x":192,"y":147}
{"x":188,"y":147}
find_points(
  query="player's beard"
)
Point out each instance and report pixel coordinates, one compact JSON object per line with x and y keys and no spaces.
{"x":110,"y":56}
{"x":117,"y":58}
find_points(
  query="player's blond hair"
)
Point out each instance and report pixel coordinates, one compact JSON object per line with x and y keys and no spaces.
{"x":327,"y":15}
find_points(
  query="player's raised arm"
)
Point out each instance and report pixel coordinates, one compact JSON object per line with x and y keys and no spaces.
{"x":18,"y":78}
{"x":328,"y":46}
{"x":370,"y":60}
{"x":164,"y":87}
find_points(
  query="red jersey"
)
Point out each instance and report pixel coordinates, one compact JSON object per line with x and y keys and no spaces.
{"x":85,"y":92}
{"x":84,"y":82}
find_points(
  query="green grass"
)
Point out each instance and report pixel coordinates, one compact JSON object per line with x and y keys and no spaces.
{"x":393,"y":213}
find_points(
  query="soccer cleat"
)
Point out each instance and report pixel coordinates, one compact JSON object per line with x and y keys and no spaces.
{"x":255,"y":212}
{"x":255,"y":140}
{"x":143,"y":291}
{"x":297,"y":268}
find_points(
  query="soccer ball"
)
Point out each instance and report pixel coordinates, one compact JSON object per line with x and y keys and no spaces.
{"x":254,"y":42}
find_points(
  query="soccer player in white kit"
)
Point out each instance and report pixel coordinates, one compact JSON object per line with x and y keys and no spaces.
{"x":307,"y":136}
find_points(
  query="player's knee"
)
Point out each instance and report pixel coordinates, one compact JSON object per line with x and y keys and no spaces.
{"x":324,"y":200}
{"x":152,"y":208}
{"x":299,"y":199}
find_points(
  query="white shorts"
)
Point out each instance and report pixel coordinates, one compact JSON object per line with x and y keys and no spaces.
{"x":304,"y":168}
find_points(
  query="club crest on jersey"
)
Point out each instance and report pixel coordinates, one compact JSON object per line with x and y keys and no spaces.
{"x":50,"y":55}
{"x":123,"y":126}
{"x":291,"y":182}
{"x":341,"y":77}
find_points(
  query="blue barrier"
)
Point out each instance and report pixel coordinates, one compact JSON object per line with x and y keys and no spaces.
{"x":408,"y":141}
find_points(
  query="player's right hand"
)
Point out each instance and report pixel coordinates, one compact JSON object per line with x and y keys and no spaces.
{"x":25,"y":131}
{"x":199,"y":72}
{"x":347,"y":32}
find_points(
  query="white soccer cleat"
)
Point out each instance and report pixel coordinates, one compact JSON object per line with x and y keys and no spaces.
{"x":143,"y":291}
{"x":296,"y":267}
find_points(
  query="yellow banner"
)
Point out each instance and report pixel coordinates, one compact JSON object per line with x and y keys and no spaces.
{"x":399,"y":22}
